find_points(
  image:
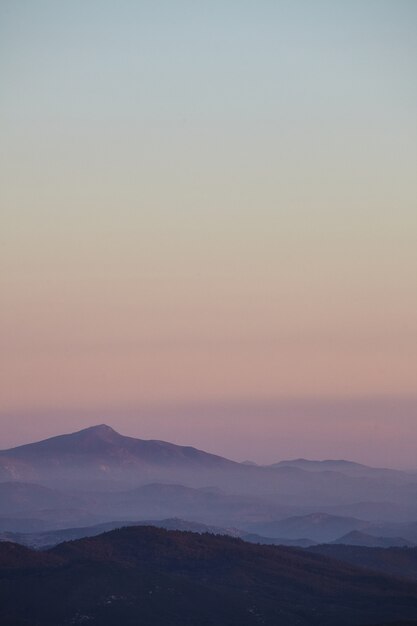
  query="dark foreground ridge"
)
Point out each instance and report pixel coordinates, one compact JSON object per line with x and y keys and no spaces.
{"x":154,"y":577}
{"x":399,"y":562}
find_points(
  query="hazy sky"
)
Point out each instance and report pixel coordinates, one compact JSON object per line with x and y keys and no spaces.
{"x":211,"y":204}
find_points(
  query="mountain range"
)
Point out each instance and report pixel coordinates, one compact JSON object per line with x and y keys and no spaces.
{"x":157,"y":577}
{"x":96,"y":476}
{"x":50,"y":538}
{"x":125,"y":527}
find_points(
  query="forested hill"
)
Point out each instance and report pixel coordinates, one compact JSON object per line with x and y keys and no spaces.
{"x":154,"y":577}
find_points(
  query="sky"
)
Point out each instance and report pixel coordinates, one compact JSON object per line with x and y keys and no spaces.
{"x":208,"y":224}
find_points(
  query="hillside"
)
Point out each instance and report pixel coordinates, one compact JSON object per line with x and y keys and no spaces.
{"x":168,"y":578}
{"x":358,"y":538}
{"x":47,"y":539}
{"x":401,"y":562}
{"x":320,"y":527}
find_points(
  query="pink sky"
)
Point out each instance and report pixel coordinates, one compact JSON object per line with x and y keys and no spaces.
{"x":210,"y":209}
{"x":378,"y":431}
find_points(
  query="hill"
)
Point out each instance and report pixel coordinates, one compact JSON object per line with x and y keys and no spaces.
{"x":156,"y":577}
{"x":320,"y":527}
{"x":50,"y":538}
{"x":349,"y":468}
{"x":30,"y":507}
{"x":401,"y":562}
{"x":358,"y":538}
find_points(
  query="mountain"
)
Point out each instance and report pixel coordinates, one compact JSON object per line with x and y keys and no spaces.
{"x":14,"y":556}
{"x":27,"y":506}
{"x":373,"y":511}
{"x":276,"y":541}
{"x":327,"y":465}
{"x":407,"y":531}
{"x":325,"y":528}
{"x":17,"y":498}
{"x":30,"y":507}
{"x":358,"y":538}
{"x":399,"y":562}
{"x":167,"y":578}
{"x":100,"y":453}
{"x":46,"y":539}
{"x":349,"y":468}
{"x":100,"y":459}
{"x":319,"y":527}
{"x":207,"y":505}
{"x":96,"y":475}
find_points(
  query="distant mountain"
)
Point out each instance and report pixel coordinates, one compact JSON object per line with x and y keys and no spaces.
{"x":277,"y":541}
{"x":206,"y":505}
{"x":46,"y":539}
{"x":326,"y":465}
{"x":325,"y":528}
{"x":100,"y":453}
{"x":97,"y":475}
{"x":98,"y":458}
{"x":26,"y":507}
{"x":358,"y":538}
{"x":164,"y":578}
{"x":18,"y":498}
{"x":349,"y":468}
{"x":376,"y":511}
{"x":319,"y":527}
{"x":407,"y":531}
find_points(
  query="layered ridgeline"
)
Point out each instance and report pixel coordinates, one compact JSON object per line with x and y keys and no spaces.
{"x":50,"y":538}
{"x":96,"y":476}
{"x":98,"y":456}
{"x":156,"y":577}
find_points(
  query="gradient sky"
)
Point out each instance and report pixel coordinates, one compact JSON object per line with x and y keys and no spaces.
{"x":209,"y":223}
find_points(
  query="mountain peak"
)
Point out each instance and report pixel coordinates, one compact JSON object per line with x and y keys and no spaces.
{"x":99,"y":452}
{"x":100,"y":428}
{"x":98,"y":432}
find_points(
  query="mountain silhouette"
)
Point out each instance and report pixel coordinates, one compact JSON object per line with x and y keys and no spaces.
{"x":358,"y":538}
{"x":99,"y":452}
{"x":168,"y":578}
{"x":99,"y":459}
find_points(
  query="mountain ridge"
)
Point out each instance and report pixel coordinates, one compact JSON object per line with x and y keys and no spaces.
{"x":98,"y":459}
{"x":169,"y":578}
